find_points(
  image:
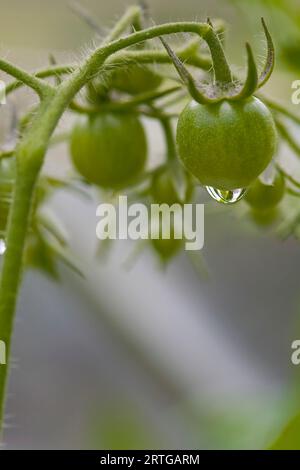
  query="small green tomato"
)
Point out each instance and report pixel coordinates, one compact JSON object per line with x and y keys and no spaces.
{"x":265,"y":218}
{"x":263,"y":197}
{"x":228,"y":144}
{"x":109,"y":150}
{"x":163,"y":189}
{"x":135,"y":79}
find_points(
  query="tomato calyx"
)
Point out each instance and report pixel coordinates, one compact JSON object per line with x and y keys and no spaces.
{"x":228,"y":89}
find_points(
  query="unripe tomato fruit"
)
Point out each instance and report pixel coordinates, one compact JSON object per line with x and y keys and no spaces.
{"x":228,"y":144}
{"x":109,"y":150}
{"x":135,"y":79}
{"x":163,"y":190}
{"x":265,"y":218}
{"x":263,"y":197}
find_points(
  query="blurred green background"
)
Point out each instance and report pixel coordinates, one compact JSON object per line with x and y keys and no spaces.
{"x":143,"y":358}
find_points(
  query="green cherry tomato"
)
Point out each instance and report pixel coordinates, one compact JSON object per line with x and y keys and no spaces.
{"x":7,"y":178}
{"x":163,"y":189}
{"x":265,"y":218}
{"x":263,"y":197}
{"x":135,"y":79}
{"x":228,"y":144}
{"x":109,"y":150}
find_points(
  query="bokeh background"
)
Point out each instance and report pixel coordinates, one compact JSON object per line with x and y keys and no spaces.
{"x":143,"y":357}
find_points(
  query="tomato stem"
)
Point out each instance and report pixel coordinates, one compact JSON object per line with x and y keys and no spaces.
{"x":169,"y":138}
{"x":221,"y":68}
{"x":40,"y":87}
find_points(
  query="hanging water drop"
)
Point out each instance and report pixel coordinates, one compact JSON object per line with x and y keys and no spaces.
{"x":226,"y":196}
{"x":2,"y":246}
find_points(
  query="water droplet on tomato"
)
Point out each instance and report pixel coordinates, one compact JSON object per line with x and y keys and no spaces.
{"x":224,"y":196}
{"x":2,"y":246}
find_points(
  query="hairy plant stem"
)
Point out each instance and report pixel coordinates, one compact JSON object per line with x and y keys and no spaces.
{"x":145,"y":57}
{"x":33,"y":146}
{"x":32,"y":81}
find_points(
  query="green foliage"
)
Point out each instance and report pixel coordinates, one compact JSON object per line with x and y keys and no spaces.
{"x":289,"y":439}
{"x":167,"y":248}
{"x":38,"y":255}
{"x":120,"y":428}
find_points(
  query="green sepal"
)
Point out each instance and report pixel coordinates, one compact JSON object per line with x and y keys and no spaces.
{"x":250,"y":85}
{"x":270,"y":61}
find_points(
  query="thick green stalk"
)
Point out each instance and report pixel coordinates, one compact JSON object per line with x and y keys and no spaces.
{"x":11,"y":271}
{"x":30,"y":155}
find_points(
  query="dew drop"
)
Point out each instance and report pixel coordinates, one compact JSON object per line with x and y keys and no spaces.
{"x":2,"y":246}
{"x":224,"y":196}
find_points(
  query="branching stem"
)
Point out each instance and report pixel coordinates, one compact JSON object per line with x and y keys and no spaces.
{"x":42,"y":89}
